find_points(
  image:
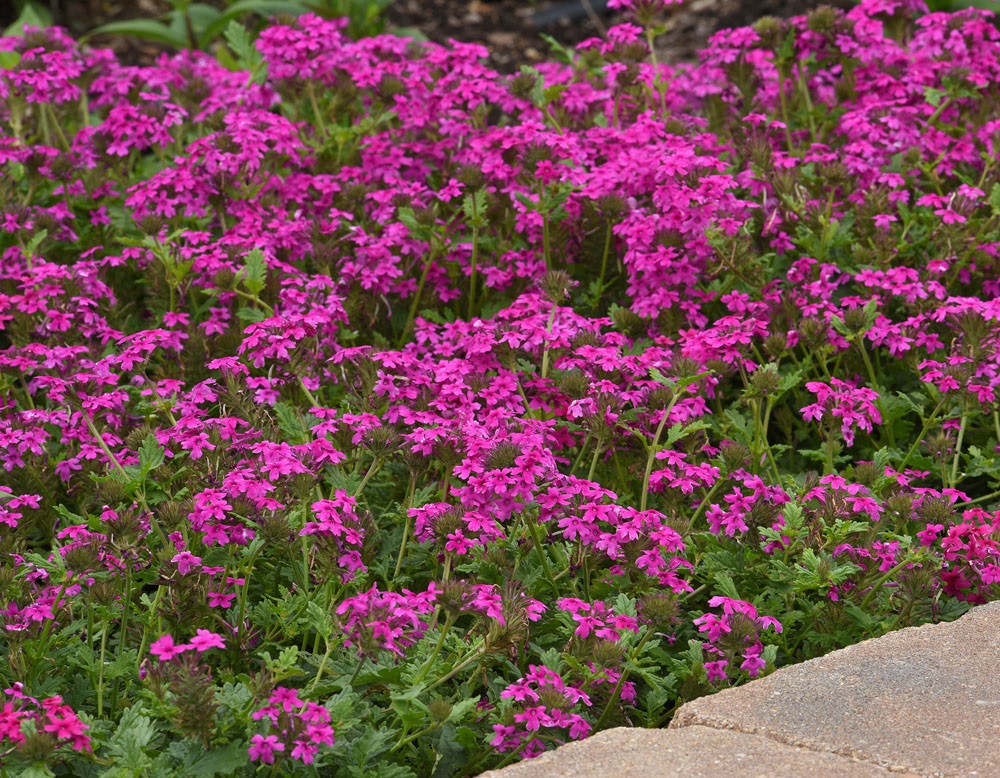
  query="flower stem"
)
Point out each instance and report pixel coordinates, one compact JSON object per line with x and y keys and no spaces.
{"x":616,"y":693}
{"x":532,"y":527}
{"x":958,"y":450}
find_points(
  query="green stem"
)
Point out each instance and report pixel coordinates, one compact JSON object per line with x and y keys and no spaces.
{"x":322,"y":664}
{"x":545,"y":244}
{"x":927,"y":425}
{"x":958,"y":450}
{"x":532,"y":527}
{"x":860,"y":342}
{"x":471,"y":657}
{"x":100,"y":672}
{"x":140,"y":497}
{"x":593,"y":462}
{"x":245,"y":591}
{"x":373,"y":468}
{"x":548,"y":332}
{"x":579,"y":457}
{"x":767,"y":444}
{"x":652,"y":49}
{"x":621,"y":680}
{"x":47,"y":629}
{"x":426,"y":668}
{"x":705,"y":502}
{"x":984,"y":498}
{"x":316,"y":112}
{"x":406,"y":530}
{"x":145,"y":629}
{"x":604,"y":267}
{"x":652,"y":451}
{"x":403,"y":741}
{"x":882,"y":579}
{"x":473,"y":281}
{"x":414,"y":305}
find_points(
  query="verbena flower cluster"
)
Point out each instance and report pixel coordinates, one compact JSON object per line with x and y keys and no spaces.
{"x":365,"y":411}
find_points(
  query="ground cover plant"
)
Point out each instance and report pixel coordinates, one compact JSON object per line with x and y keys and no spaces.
{"x":365,"y":412}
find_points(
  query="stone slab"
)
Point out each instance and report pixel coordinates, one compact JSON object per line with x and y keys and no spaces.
{"x":690,"y":752}
{"x":925,"y":699}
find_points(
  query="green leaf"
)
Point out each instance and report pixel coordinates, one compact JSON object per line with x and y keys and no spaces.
{"x":250,"y":315}
{"x":150,"y":455}
{"x":35,"y":770}
{"x":740,"y":422}
{"x":199,"y":763}
{"x":33,"y":14}
{"x":319,"y":620}
{"x":995,"y":199}
{"x":934,"y":96}
{"x":290,"y":423}
{"x":561,"y":53}
{"x":461,"y":709}
{"x":553,"y":92}
{"x":128,"y":744}
{"x":144,"y":28}
{"x":225,"y":20}
{"x":625,"y":605}
{"x":676,"y":383}
{"x":407,"y":217}
{"x":681,"y":431}
{"x":474,"y":208}
{"x":9,"y":59}
{"x":254,"y":274}
{"x":726,"y":585}
{"x":242,"y":45}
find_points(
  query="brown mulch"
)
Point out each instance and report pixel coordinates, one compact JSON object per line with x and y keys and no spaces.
{"x":508,"y":28}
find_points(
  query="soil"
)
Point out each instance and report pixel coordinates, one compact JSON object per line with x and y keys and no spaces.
{"x":512,"y":30}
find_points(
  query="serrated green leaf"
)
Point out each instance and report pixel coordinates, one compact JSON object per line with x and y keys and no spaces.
{"x":128,"y":744}
{"x":35,"y":771}
{"x":934,"y":96}
{"x":738,"y":420}
{"x":625,"y":605}
{"x":254,"y":274}
{"x":995,"y":199}
{"x":151,"y":455}
{"x":250,"y":315}
{"x":240,"y":42}
{"x":462,"y":708}
{"x":474,"y":208}
{"x":725,"y":584}
{"x":319,"y":619}
{"x":196,"y":762}
{"x":290,"y":423}
{"x":681,"y":431}
{"x":407,"y":217}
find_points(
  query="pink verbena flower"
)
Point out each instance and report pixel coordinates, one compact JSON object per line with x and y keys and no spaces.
{"x":164,"y":648}
{"x":854,"y":406}
{"x":204,"y":640}
{"x":299,"y":726}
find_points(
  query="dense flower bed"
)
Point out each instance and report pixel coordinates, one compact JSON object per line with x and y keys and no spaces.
{"x":367,"y":412}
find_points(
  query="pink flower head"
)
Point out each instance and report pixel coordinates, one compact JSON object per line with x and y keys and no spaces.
{"x":262,"y":747}
{"x":204,"y":640}
{"x":164,"y":649}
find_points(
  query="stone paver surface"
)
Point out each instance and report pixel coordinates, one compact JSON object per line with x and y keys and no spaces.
{"x":927,"y":698}
{"x":691,"y":752}
{"x":923,"y":701}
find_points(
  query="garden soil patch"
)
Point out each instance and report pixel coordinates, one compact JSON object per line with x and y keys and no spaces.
{"x":514,"y":31}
